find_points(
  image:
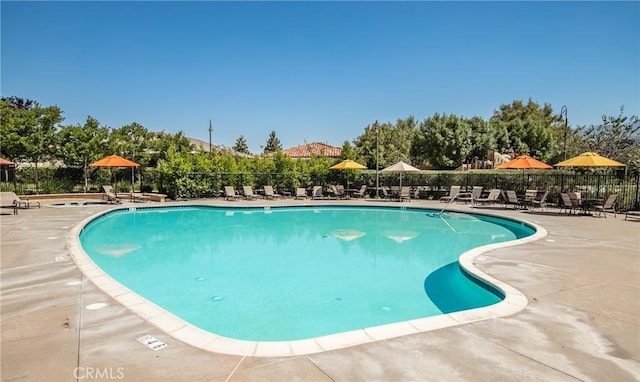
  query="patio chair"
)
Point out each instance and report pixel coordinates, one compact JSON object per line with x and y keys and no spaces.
{"x":386,"y":194}
{"x":110,"y":195}
{"x":512,"y":199}
{"x":317,"y":193}
{"x":529,"y":197}
{"x":608,"y":206}
{"x":230,"y":193}
{"x":453,"y":191}
{"x":405,"y":193}
{"x":567,"y":204}
{"x":542,"y":202}
{"x":8,"y":199}
{"x":471,"y":196}
{"x":361,"y":192}
{"x":269,"y":193}
{"x":339,"y":191}
{"x":247,"y":192}
{"x":492,"y":198}
{"x":576,"y":200}
{"x":300,"y":193}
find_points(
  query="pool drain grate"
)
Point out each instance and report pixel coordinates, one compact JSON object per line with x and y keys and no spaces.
{"x":151,"y":342}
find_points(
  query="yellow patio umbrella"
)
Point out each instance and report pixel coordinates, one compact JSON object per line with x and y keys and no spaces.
{"x":348,"y":164}
{"x":589,"y":159}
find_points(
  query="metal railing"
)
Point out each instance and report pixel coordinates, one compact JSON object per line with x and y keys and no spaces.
{"x":428,"y":184}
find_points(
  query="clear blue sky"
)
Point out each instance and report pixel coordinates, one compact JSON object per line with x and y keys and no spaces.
{"x":317,"y":71}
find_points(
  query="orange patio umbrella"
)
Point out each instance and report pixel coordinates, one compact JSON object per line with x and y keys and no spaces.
{"x":524,"y":162}
{"x":116,"y":161}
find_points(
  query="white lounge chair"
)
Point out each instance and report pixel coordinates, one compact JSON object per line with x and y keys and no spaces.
{"x":230,"y":193}
{"x":453,"y":191}
{"x":317,"y":193}
{"x":8,"y":199}
{"x":248,"y":193}
{"x":110,"y":195}
{"x":301,"y":193}
{"x":492,"y":198}
{"x":269,"y":193}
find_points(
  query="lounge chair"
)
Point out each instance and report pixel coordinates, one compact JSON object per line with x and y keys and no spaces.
{"x":492,"y":198}
{"x":542,"y":202}
{"x":471,"y":196}
{"x":25,"y":203}
{"x":317,"y":193}
{"x":269,"y":193}
{"x":8,"y":199}
{"x":338,"y":191}
{"x":360,"y":193}
{"x":512,"y":199}
{"x":529,"y":197}
{"x":301,"y":193}
{"x":576,"y":201}
{"x":632,"y":214}
{"x":247,"y":192}
{"x":230,"y":193}
{"x":139,"y":197}
{"x":405,"y":194}
{"x":608,"y":206}
{"x":385,"y":193}
{"x":453,"y":191}
{"x":110,"y":195}
{"x":568,"y":204}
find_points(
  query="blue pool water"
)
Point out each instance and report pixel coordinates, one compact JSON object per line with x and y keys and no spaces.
{"x":292,"y":273}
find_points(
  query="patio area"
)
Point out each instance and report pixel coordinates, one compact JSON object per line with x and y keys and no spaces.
{"x":582,"y":321}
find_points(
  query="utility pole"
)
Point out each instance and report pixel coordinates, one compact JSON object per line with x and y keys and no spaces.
{"x":210,"y":131}
{"x":377,"y":168}
{"x":563,"y":111}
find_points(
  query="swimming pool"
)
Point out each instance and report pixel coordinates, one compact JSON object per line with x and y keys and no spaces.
{"x":291,"y":274}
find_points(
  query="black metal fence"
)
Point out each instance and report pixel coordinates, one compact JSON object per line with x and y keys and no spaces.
{"x":431,"y":184}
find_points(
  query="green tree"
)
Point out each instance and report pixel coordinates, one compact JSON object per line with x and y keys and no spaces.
{"x":241,"y":145}
{"x":160,"y":142}
{"x":28,"y":130}
{"x":483,"y":138}
{"x":273,"y":144}
{"x":529,"y":128}
{"x":79,"y":145}
{"x":131,"y":141}
{"x":348,"y":151}
{"x":443,"y":141}
{"x":386,"y":142}
{"x":618,"y":138}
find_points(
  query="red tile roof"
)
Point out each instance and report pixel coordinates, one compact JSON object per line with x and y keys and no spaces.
{"x":313,"y":149}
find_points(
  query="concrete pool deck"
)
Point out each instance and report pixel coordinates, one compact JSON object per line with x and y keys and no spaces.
{"x":582,"y":321}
